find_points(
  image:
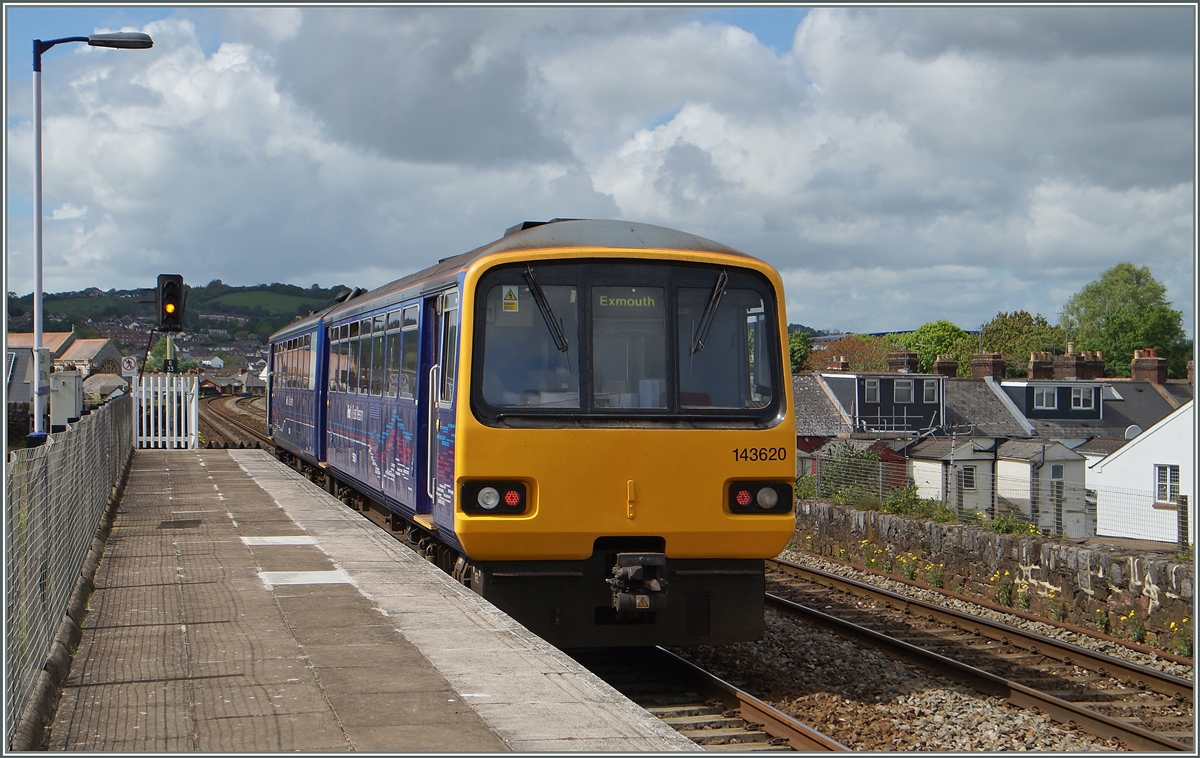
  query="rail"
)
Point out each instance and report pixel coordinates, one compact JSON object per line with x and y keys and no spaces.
{"x":1061,"y":710}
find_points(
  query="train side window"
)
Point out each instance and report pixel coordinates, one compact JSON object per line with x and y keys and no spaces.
{"x":377,"y":355}
{"x":449,"y":345}
{"x":393,"y":320}
{"x":391,"y":382}
{"x":352,"y":366}
{"x":408,"y":355}
{"x":344,"y":366}
{"x":364,"y":365}
{"x":353,"y":329}
{"x":334,"y":362}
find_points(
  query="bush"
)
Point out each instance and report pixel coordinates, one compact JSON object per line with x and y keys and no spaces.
{"x":806,"y":487}
{"x":1007,"y":523}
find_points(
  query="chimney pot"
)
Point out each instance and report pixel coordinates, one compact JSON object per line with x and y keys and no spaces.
{"x":1146,"y":366}
{"x":945,"y":365}
{"x":987,"y":364}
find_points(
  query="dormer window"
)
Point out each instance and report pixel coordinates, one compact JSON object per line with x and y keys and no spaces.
{"x":1045,"y":398}
{"x":904,"y":391}
{"x":1081,"y":398}
{"x":871,"y":391}
{"x":931,"y":390}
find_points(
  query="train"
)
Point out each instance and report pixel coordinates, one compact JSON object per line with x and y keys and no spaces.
{"x":587,"y":422}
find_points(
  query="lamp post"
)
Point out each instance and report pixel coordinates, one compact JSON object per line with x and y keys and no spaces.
{"x":121,"y":40}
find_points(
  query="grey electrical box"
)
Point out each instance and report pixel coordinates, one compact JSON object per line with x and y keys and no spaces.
{"x":66,"y":397}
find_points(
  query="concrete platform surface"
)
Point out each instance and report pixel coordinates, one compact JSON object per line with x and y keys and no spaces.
{"x":239,"y":607}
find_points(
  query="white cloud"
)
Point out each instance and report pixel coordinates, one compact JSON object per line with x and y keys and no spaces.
{"x":898,"y":165}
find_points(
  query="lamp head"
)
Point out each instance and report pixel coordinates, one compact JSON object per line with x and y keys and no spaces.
{"x":124,"y":40}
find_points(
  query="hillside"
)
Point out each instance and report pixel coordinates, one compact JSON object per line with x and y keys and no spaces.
{"x":267,"y":307}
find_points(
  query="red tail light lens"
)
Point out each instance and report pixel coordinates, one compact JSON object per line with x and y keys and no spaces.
{"x":743,"y":498}
{"x":512,"y":498}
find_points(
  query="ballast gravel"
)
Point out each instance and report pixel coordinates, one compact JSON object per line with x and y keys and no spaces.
{"x":868,"y":701}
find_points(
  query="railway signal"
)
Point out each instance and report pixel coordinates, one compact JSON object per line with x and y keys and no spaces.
{"x":171,"y":299}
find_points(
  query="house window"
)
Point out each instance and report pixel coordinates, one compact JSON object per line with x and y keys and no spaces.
{"x":1045,"y":398}
{"x":1081,"y":398}
{"x":904,"y":391}
{"x":1056,"y":471}
{"x":872,"y":391}
{"x":968,"y":477}
{"x":931,"y":390}
{"x":1167,"y":478}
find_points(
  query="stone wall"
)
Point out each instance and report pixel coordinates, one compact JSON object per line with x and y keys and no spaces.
{"x":1087,"y":586}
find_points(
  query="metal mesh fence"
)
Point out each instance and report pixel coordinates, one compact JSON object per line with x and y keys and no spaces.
{"x":56,"y":494}
{"x":1033,"y":502}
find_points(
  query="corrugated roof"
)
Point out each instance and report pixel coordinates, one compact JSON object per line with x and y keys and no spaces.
{"x":52,"y":340}
{"x":83,"y":349}
{"x":1030,"y":449}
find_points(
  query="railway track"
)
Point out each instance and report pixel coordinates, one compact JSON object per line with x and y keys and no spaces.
{"x":230,"y":426}
{"x":1107,"y":697}
{"x":711,"y":712}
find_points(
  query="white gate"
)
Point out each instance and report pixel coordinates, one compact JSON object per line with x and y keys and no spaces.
{"x":166,"y":410}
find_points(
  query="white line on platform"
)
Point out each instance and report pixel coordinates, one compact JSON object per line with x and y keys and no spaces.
{"x":273,"y":578}
{"x":303,"y":539}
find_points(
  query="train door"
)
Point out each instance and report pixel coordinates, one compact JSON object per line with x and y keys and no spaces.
{"x":436,"y":409}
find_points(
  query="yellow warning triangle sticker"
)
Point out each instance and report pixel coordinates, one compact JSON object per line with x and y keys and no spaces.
{"x":511,"y":294}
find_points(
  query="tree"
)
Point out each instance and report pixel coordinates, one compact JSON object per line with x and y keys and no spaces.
{"x":933,"y":339}
{"x":1016,"y":335}
{"x":1122,"y":311}
{"x":158,"y":354}
{"x":862,"y":353}
{"x":799,"y":345}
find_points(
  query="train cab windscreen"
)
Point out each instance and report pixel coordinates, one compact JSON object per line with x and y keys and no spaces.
{"x":623,"y":339}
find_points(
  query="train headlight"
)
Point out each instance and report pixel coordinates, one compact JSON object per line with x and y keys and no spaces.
{"x":759,"y":497}
{"x":488,"y":498}
{"x":767,"y":497}
{"x":493,"y":498}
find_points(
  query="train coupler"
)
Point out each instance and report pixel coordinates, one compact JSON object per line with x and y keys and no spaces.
{"x":639,"y":582}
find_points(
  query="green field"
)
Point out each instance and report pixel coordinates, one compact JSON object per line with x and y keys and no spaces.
{"x":271,"y":302}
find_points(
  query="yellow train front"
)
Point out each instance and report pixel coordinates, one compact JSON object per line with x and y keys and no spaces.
{"x":621,"y":439}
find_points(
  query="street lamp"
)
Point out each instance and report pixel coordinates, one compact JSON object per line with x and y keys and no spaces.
{"x":120,"y":40}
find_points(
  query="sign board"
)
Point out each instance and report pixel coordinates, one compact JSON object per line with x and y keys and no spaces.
{"x":129,"y":366}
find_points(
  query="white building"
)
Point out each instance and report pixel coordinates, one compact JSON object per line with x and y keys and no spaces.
{"x":1140,"y":487}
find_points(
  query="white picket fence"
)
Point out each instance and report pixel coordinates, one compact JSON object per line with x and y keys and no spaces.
{"x":166,"y":411}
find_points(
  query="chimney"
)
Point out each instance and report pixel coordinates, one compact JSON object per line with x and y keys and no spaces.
{"x":902,"y":362}
{"x":1190,"y":381}
{"x":1040,"y":365}
{"x":838,"y":363}
{"x":987,"y":364}
{"x":1095,"y":364}
{"x":1070,"y":366}
{"x":945,"y":365}
{"x":1148,"y":367}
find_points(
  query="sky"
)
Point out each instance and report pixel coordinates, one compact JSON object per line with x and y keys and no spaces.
{"x":896,"y":165}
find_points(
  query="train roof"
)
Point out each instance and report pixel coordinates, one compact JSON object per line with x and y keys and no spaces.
{"x":529,"y":235}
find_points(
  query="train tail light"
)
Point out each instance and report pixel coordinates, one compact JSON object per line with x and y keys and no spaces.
{"x":760,"y":497}
{"x":494,"y":498}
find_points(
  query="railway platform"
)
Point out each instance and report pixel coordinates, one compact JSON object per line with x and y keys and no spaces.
{"x":238,"y":607}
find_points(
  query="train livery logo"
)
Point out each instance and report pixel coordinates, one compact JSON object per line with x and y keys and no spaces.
{"x":510,"y":299}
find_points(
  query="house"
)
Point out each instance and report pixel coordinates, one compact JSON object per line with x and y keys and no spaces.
{"x":90,"y":356}
{"x":1145,"y":487}
{"x":900,"y":402}
{"x":99,"y":387}
{"x":19,"y":363}
{"x":1040,"y":481}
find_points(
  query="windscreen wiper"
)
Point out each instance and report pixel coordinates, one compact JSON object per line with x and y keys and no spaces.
{"x":539,"y":297}
{"x":710,"y":310}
